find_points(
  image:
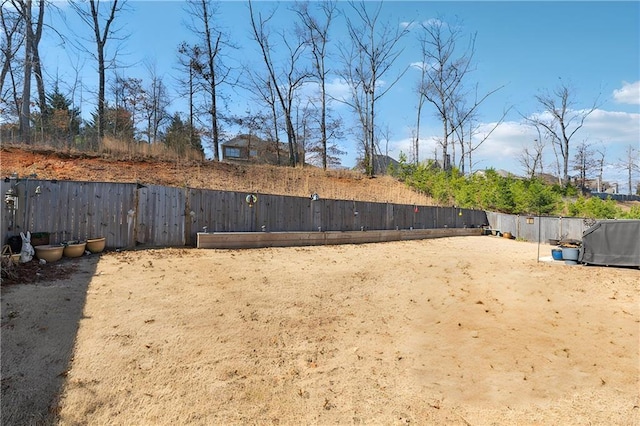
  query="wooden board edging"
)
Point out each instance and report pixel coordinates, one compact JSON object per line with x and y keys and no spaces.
{"x":232,"y":240}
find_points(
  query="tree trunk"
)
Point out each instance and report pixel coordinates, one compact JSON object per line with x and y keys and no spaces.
{"x":101,"y":92}
{"x":323,"y":124}
{"x":25,"y":106}
{"x":212,"y":81}
{"x":372,"y":140}
{"x":565,"y":164}
{"x":416,"y":146}
{"x":101,"y":41}
{"x":37,"y":66}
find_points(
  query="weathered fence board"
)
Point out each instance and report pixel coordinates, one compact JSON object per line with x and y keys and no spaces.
{"x":161,"y":215}
{"x":70,"y":210}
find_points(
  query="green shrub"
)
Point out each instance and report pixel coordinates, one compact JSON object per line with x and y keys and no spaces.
{"x":633,"y":213}
{"x":595,"y":208}
{"x":493,"y":192}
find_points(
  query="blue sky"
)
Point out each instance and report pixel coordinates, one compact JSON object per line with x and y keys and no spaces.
{"x":524,"y":46}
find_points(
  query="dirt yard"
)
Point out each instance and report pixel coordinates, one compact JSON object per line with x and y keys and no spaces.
{"x":455,"y":331}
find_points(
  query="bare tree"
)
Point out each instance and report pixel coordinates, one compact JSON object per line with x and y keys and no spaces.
{"x":557,"y":162}
{"x":289,"y":80}
{"x":13,"y":37}
{"x":531,"y":159}
{"x":154,"y":105}
{"x":10,"y":80}
{"x":467,"y":130}
{"x":443,"y":74}
{"x":602,"y":153}
{"x":34,"y":33}
{"x":561,"y":121}
{"x":421,"y":99}
{"x":584,"y":162}
{"x":100,"y":22}
{"x":268,"y":123}
{"x":316,"y":32}
{"x":309,"y":133}
{"x":528,"y":161}
{"x":32,"y":36}
{"x":190,"y":59}
{"x":129,"y":96}
{"x":211,"y":68}
{"x":370,"y":55}
{"x":631,"y":165}
{"x":304,"y":110}
{"x":442,"y":85}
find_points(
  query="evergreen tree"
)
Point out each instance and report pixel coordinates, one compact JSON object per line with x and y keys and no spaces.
{"x":117,"y":122}
{"x":178,"y":137}
{"x":62,"y":120}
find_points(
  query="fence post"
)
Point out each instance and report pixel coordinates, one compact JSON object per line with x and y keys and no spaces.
{"x":133,"y":234}
{"x":188,"y":218}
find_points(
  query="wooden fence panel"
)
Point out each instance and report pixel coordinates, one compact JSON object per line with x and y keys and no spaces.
{"x":160,"y":215}
{"x":128,"y":214}
{"x":542,"y":229}
{"x":70,"y":210}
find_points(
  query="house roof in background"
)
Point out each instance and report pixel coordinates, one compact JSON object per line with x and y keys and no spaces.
{"x":244,"y":140}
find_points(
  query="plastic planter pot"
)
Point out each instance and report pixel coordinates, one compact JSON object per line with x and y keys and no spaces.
{"x":49,"y":253}
{"x":96,"y":245}
{"x":74,"y":250}
{"x":570,"y":255}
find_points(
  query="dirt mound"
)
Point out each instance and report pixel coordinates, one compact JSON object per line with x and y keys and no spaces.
{"x":334,"y":184}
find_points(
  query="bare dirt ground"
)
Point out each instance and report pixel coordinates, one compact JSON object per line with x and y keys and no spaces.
{"x":455,"y":331}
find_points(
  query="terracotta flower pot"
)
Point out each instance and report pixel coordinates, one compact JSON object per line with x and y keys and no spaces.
{"x":49,"y":253}
{"x":74,"y":250}
{"x":96,"y":245}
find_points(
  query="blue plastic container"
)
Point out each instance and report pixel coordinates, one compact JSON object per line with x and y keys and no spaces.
{"x":570,"y":255}
{"x":556,"y":254}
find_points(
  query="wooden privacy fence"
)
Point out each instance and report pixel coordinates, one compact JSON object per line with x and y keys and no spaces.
{"x":531,"y":228}
{"x":129,"y":214}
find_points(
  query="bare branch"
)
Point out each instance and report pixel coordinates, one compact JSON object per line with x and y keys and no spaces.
{"x":564,"y":120}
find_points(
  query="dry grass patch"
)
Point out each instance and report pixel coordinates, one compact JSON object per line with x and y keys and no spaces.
{"x":302,"y":182}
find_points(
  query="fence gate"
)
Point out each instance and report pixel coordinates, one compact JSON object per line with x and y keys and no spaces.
{"x":160,"y":217}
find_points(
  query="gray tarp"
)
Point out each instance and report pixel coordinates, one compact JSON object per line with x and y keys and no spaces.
{"x":612,"y":242}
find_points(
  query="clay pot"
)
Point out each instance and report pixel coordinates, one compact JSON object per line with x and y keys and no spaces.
{"x":74,"y":250}
{"x":49,"y":253}
{"x":96,"y":245}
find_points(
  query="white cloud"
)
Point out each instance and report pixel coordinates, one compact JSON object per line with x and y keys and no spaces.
{"x":417,"y":65}
{"x":612,"y":127}
{"x":608,"y":130}
{"x":503,"y":147}
{"x":434,"y":22}
{"x":405,"y":146}
{"x":338,"y":89}
{"x":628,"y":94}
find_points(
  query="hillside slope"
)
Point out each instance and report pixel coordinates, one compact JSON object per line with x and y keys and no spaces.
{"x":332,"y":184}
